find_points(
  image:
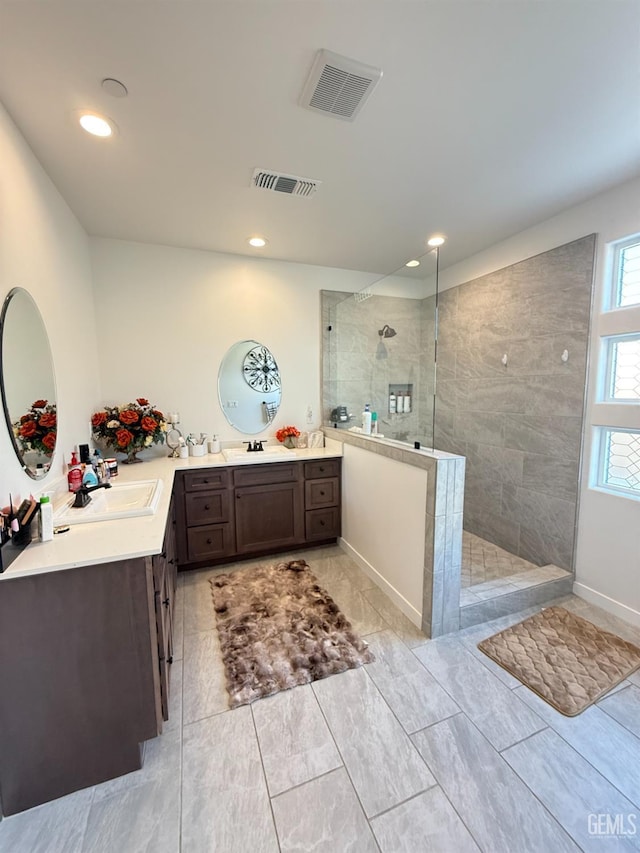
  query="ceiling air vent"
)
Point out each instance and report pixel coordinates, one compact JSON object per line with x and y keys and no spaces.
{"x":338,"y":85}
{"x":265,"y":179}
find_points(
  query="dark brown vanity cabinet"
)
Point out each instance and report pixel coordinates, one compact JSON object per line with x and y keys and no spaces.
{"x":269,"y":507}
{"x":252,"y":510}
{"x":165,"y":576}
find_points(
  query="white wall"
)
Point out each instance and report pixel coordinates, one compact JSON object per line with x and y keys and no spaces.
{"x":378,"y":495}
{"x":608,"y":543}
{"x":44,"y":249}
{"x":167,"y":316}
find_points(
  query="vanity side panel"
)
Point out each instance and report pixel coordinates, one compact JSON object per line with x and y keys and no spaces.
{"x":77,"y":674}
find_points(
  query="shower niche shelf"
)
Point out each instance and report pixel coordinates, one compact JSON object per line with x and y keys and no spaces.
{"x":400,"y":391}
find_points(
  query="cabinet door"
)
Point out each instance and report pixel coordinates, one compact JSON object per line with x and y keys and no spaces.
{"x":207,"y":507}
{"x":322,"y":524}
{"x":269,"y":516}
{"x":210,"y":542}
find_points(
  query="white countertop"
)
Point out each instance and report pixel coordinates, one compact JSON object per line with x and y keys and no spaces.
{"x":125,"y":538}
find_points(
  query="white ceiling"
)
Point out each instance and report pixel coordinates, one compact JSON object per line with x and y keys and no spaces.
{"x":490,"y":117}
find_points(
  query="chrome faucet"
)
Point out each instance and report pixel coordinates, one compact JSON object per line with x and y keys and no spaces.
{"x":83,"y":497}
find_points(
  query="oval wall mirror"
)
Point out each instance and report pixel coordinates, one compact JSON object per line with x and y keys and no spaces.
{"x":249,"y":387}
{"x":28,"y":383}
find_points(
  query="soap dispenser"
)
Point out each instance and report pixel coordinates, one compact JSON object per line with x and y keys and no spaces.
{"x":74,"y":475}
{"x":366,"y":420}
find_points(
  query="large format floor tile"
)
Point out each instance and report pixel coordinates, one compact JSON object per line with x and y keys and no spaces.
{"x":412,"y":693}
{"x":203,"y":692}
{"x":493,"y":707}
{"x":611,"y":748}
{"x":383,"y":764}
{"x":427,"y":822}
{"x":497,"y":807}
{"x":295,"y":742}
{"x":225,"y":805}
{"x":624,"y":706}
{"x":56,"y":827}
{"x":323,"y":816}
{"x":569,"y":787}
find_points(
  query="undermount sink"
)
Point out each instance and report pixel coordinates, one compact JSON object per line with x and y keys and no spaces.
{"x":267,"y":454}
{"x":122,"y":500}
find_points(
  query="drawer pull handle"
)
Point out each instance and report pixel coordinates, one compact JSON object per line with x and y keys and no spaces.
{"x":209,"y":541}
{"x":166,"y":602}
{"x":321,"y":469}
{"x":170,"y":659}
{"x":322,"y":523}
{"x":322,"y":494}
{"x":206,"y":506}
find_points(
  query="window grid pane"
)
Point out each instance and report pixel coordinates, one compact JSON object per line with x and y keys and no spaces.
{"x":621,"y":462}
{"x":628,"y":283}
{"x":624,"y":377}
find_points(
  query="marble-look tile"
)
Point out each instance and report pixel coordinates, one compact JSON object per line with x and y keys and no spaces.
{"x":493,"y":707}
{"x":225,"y":805}
{"x":499,"y":810}
{"x":427,"y":822}
{"x":295,"y":743}
{"x":144,"y":816}
{"x":364,"y":618}
{"x":177,"y":631}
{"x":381,"y":760}
{"x":612,"y":749}
{"x":175,"y":698}
{"x":412,"y":693}
{"x":55,"y":827}
{"x":551,"y":475}
{"x":204,"y":689}
{"x":548,"y":435}
{"x":395,"y":618}
{"x":323,"y":815}
{"x":569,"y":787}
{"x":199,"y":614}
{"x":624,"y":706}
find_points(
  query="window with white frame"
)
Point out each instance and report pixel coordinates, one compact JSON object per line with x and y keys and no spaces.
{"x":617,"y":446}
{"x":626,"y":273}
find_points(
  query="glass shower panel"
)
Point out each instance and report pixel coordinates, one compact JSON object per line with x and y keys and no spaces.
{"x":379,"y":347}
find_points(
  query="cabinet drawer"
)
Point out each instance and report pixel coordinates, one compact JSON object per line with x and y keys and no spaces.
{"x":208,"y":478}
{"x":322,"y":468}
{"x":208,"y":542}
{"x":270,"y":472}
{"x":322,"y":523}
{"x":206,"y":507}
{"x":320,"y":493}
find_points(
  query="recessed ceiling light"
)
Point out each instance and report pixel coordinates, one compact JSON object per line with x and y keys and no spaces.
{"x":96,"y":125}
{"x":257,"y":242}
{"x":114,"y":87}
{"x":436,"y":240}
{"x":412,"y":264}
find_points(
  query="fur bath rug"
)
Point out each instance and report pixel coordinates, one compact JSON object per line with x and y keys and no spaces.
{"x":278,"y":628}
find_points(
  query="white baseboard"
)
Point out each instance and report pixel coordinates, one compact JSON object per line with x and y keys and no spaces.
{"x":609,"y":604}
{"x":399,"y":600}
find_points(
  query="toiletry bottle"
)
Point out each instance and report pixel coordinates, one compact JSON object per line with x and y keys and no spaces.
{"x":46,"y":519}
{"x":74,"y":475}
{"x":407,"y":403}
{"x":392,"y":403}
{"x":399,"y":402}
{"x":89,"y":478}
{"x":366,"y":420}
{"x":374,"y":423}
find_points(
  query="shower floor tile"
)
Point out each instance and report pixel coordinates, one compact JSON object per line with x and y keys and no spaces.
{"x":489,"y":571}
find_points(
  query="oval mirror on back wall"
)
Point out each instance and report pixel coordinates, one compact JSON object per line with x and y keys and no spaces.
{"x":27,"y":382}
{"x":249,"y":387}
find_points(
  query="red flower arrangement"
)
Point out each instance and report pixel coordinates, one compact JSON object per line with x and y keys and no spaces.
{"x":131,"y":427}
{"x":288,"y":432}
{"x":37,"y":429}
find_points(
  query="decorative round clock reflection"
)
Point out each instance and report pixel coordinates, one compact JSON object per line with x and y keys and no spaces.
{"x":260,"y":370}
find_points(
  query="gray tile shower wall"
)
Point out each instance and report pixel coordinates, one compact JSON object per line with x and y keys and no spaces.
{"x":519,"y":425}
{"x":359,"y":365}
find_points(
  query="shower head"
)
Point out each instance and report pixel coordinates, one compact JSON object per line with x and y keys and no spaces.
{"x":387,"y":332}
